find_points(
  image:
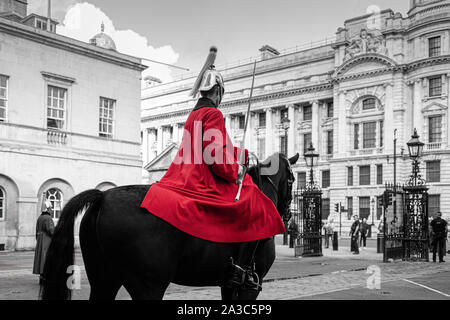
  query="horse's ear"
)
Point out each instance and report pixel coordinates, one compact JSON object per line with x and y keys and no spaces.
{"x":294,"y":159}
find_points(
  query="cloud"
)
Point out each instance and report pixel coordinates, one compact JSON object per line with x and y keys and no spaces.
{"x":83,"y":20}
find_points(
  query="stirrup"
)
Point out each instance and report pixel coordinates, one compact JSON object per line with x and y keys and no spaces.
{"x":252,"y":280}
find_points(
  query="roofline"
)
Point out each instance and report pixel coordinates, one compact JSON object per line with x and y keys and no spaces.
{"x":69,"y":44}
{"x":39,"y":16}
{"x":367,"y":16}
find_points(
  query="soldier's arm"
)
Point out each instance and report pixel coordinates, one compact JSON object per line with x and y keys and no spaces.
{"x":223,"y":162}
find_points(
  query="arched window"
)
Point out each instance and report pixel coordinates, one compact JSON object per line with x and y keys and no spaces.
{"x":2,"y":203}
{"x":56,"y":199}
{"x":368,"y":104}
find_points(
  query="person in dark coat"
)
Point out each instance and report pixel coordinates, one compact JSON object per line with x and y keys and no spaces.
{"x":439,"y":231}
{"x":44,"y":232}
{"x":364,"y":232}
{"x":354,"y":234}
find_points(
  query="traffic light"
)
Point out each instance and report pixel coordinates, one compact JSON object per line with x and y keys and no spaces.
{"x":391,"y":199}
{"x":336,"y":207}
{"x":386,"y":199}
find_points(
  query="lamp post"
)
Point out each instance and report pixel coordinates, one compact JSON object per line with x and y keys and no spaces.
{"x":285,"y":124}
{"x":311,"y":158}
{"x":415,"y":149}
{"x":311,"y":238}
{"x":415,"y":221}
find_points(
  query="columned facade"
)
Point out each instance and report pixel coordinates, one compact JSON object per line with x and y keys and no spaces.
{"x":348,"y":98}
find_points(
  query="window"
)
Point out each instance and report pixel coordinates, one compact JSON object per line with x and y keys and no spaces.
{"x":435,"y":86}
{"x":349,"y":208}
{"x":56,"y":199}
{"x":261,"y":148}
{"x":326,"y":179}
{"x":435,"y":129}
{"x":434,"y":46}
{"x":330,"y":142}
{"x":3,"y":97}
{"x":364,"y":207}
{"x":433,"y":171}
{"x":307,"y":113}
{"x":106,"y":117}
{"x":381,"y":133}
{"x":364,"y":175}
{"x":379,"y":174}
{"x":369,"y":135}
{"x":356,"y":137}
{"x":284,"y":114}
{"x":2,"y":204}
{"x":434,"y":205}
{"x":307,"y":139}
{"x":350,"y":176}
{"x":56,"y":107}
{"x":262,"y":120}
{"x":325,"y":209}
{"x":241,"y":120}
{"x":301,"y":180}
{"x":330,"y":109}
{"x":368,"y":104}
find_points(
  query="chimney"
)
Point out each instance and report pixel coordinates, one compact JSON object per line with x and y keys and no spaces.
{"x":49,"y":16}
{"x":268,"y":52}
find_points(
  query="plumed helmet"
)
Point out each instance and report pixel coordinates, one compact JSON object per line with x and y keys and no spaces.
{"x":208,"y":76}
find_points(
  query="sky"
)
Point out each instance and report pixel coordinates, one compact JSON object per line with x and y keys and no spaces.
{"x":181,"y":31}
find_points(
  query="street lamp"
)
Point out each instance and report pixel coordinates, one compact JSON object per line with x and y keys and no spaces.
{"x":373,"y":211}
{"x":311,"y":158}
{"x":415,"y":146}
{"x":285,"y":124}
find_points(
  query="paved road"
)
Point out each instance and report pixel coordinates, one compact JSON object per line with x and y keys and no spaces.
{"x":337,"y":275}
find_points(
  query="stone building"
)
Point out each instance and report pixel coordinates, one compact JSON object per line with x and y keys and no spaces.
{"x":69,"y":119}
{"x":379,"y":78}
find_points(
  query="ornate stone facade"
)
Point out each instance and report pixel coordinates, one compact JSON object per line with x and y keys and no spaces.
{"x":347,"y":97}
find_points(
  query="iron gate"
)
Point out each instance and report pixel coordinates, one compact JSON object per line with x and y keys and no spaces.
{"x":393,"y":230}
{"x":405,"y":227}
{"x":416,"y":240}
{"x":307,"y":210}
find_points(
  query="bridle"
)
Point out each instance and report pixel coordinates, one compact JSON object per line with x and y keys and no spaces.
{"x":290,"y":183}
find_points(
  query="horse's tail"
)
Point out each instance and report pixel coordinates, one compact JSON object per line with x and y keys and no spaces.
{"x":60,"y":253}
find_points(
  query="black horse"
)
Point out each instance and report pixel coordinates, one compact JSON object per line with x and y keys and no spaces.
{"x":124,"y":245}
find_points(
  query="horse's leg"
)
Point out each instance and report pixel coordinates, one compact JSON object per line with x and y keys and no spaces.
{"x":228,"y":294}
{"x":103,"y":281}
{"x":142,"y":287}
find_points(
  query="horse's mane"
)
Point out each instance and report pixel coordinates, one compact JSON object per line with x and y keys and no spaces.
{"x":255,"y":170}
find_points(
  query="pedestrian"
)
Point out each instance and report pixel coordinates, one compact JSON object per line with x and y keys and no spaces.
{"x":294,"y":231}
{"x":439,"y":230}
{"x":364,"y":232}
{"x":44,"y":233}
{"x":354,"y":234}
{"x":328,"y":230}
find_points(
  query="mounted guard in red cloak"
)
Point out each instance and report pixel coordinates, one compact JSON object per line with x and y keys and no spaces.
{"x":197,"y":194}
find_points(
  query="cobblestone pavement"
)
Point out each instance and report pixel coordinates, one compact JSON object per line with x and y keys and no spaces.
{"x":289,"y":278}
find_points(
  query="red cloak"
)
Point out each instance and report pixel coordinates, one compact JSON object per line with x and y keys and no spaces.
{"x":197,"y":195}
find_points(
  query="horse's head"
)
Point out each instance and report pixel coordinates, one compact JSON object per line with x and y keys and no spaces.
{"x":275,"y":179}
